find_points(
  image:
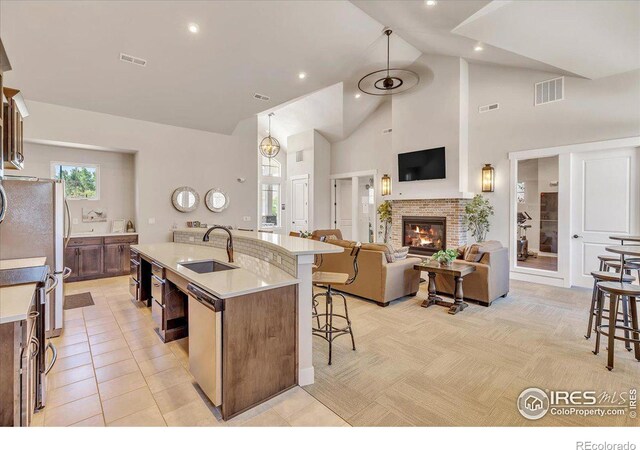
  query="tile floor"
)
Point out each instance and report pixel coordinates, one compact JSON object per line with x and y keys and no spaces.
{"x":113,"y":370}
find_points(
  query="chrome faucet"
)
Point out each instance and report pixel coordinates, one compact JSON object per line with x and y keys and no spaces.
{"x":205,"y":238}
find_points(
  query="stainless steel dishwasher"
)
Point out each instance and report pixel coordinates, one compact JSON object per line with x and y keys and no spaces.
{"x":205,"y":342}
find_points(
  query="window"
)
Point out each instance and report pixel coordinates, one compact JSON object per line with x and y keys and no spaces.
{"x":270,"y":167}
{"x":82,"y":181}
{"x":270,"y":205}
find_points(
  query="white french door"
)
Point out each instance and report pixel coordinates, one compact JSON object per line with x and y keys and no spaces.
{"x":604,"y":201}
{"x":344,"y":207}
{"x":300,"y":204}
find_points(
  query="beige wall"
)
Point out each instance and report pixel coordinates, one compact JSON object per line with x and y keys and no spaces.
{"x":166,"y":157}
{"x":593,"y":110}
{"x":117,"y":181}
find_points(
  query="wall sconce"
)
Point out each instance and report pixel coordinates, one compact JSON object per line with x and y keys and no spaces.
{"x":386,"y":185}
{"x":488,"y":178}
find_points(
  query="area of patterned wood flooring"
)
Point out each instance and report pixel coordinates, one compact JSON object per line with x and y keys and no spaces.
{"x":113,"y":370}
{"x":412,"y":366}
{"x":417,"y":366}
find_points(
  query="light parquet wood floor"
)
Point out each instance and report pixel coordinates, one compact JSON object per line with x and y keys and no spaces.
{"x":416,"y":366}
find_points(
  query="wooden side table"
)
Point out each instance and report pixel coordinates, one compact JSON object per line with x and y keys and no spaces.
{"x":458,"y":271}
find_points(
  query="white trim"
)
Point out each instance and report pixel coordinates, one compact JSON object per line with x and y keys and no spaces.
{"x":540,"y":279}
{"x":359,"y":173}
{"x":93,"y":166}
{"x":575,"y":148}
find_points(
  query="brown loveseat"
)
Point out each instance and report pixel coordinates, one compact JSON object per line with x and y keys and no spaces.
{"x":377,"y":279}
{"x":490,"y":279}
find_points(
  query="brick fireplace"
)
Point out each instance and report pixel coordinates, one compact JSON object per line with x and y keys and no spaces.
{"x":427,"y":215}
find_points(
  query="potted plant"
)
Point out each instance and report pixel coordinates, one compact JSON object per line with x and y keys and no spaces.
{"x":384,"y":211}
{"x":477,"y":213}
{"x":445,"y":257}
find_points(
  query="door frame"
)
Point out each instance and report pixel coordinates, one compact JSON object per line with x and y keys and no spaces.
{"x":562,"y":277}
{"x":290,"y":181}
{"x":373,"y":173}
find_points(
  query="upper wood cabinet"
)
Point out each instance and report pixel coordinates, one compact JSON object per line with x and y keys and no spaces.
{"x":14,"y":111}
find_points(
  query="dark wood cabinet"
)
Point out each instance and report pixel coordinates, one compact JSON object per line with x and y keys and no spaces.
{"x":90,"y":260}
{"x":98,"y":257}
{"x":112,"y":259}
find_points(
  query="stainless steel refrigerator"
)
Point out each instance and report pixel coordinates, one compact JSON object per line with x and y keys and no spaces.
{"x":35,"y":224}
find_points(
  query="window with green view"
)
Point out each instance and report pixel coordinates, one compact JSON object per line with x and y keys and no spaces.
{"x":81,"y":180}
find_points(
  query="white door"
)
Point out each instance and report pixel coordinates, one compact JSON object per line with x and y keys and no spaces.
{"x":604,"y":201}
{"x":300,"y":204}
{"x":343,"y":207}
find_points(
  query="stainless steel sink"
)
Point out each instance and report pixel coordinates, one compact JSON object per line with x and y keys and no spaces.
{"x":206,"y":266}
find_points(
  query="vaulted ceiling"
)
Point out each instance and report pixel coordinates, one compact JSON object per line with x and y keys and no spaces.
{"x":67,"y":52}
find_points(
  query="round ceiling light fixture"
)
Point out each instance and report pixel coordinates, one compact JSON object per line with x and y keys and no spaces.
{"x":357,"y":95}
{"x":431,"y":2}
{"x":194,"y":28}
{"x":269,"y":146}
{"x":388,"y":81}
{"x":302,"y":75}
{"x":478,"y":48}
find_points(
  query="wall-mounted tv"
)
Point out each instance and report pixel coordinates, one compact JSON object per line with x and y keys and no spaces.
{"x":422,"y":165}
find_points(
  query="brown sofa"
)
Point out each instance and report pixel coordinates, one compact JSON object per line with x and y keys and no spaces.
{"x":490,"y":279}
{"x":377,"y":279}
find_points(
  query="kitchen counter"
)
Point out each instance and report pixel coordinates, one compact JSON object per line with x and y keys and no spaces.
{"x":294,"y":245}
{"x":96,"y":234}
{"x":20,"y":263}
{"x":251,"y":275}
{"x":15,"y":302}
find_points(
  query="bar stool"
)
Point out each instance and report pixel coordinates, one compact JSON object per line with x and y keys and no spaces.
{"x":615,"y":291}
{"x":606,"y":258}
{"x":597,"y":299}
{"x":629,"y":265}
{"x":328,"y":280}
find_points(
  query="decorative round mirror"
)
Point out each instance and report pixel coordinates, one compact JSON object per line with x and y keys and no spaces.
{"x":216,"y":200}
{"x":185,"y":199}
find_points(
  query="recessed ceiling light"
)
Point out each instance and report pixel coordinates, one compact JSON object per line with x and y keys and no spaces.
{"x":357,"y":95}
{"x":194,"y":28}
{"x":478,"y":48}
{"x":431,"y":2}
{"x":302,"y":75}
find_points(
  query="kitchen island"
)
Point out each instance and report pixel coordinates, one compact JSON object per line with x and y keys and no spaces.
{"x":248,"y":322}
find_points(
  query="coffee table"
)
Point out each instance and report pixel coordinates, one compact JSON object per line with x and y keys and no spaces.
{"x":458,"y":271}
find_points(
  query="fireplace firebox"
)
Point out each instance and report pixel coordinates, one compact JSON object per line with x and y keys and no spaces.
{"x":424,"y":235}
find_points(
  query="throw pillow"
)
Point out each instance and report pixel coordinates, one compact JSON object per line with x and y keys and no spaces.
{"x":401,"y":254}
{"x":461,"y":251}
{"x":474,"y":253}
{"x":384,"y":248}
{"x":331,"y":237}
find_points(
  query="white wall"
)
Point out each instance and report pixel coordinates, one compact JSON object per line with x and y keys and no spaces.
{"x":316,"y":162}
{"x":431,"y":116}
{"x":593,"y":110}
{"x":117,"y":181}
{"x":166,"y":157}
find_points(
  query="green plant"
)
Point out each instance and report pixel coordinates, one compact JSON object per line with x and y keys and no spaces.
{"x":384,"y":211}
{"x":477,"y":213}
{"x":445,"y":256}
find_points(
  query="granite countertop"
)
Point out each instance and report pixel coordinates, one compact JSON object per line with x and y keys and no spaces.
{"x":97,"y":234}
{"x":291,"y":244}
{"x":251,"y":274}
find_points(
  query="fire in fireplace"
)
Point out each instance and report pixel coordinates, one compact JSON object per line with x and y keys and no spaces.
{"x":424,"y":235}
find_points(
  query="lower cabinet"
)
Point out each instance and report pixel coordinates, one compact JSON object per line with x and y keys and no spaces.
{"x":98,"y":257}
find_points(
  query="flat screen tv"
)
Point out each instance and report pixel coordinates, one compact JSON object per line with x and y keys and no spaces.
{"x":422,"y":165}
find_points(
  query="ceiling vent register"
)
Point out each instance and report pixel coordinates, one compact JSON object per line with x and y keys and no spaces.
{"x":549,"y":91}
{"x":264,"y":98}
{"x":133,"y":60}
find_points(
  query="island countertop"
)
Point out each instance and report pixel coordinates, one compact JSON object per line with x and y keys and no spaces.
{"x":292,"y":244}
{"x":251,"y":275}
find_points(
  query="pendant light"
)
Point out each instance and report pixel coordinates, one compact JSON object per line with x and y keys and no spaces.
{"x":269,"y":146}
{"x":388,"y":81}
